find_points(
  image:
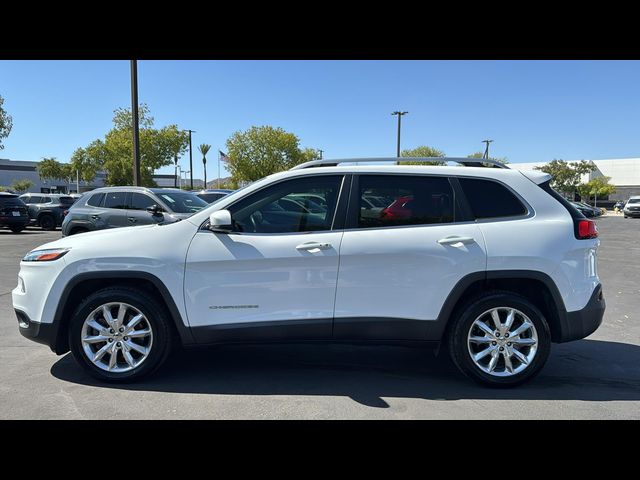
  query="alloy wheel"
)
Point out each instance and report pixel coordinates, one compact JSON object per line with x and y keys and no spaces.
{"x":502,"y":341}
{"x":116,"y":337}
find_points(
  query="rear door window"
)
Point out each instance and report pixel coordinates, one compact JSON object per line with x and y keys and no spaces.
{"x":115,"y":200}
{"x":32,"y":199}
{"x":397,"y":200}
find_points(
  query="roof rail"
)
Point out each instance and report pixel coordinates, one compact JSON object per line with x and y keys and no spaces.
{"x":467,"y":162}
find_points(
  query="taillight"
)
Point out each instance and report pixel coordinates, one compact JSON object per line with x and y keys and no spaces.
{"x":587,"y":229}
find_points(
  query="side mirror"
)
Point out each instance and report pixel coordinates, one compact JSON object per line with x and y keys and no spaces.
{"x":154,"y":209}
{"x":220,"y":221}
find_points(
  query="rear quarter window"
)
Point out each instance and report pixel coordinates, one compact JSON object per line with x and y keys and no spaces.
{"x":489,"y":199}
{"x":96,"y":200}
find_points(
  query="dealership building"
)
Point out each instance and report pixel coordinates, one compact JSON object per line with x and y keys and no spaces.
{"x":624,"y":173}
{"x":14,"y":170}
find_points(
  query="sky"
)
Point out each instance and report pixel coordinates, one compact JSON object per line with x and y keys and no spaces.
{"x":532,"y":110}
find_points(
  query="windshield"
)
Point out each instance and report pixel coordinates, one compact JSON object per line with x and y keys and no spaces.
{"x":182,"y":202}
{"x":67,"y":200}
{"x":634,"y":200}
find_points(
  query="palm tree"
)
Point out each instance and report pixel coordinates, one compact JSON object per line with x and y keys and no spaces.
{"x":204,"y":149}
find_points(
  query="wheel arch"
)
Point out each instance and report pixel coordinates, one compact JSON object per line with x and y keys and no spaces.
{"x":536,"y":286}
{"x":84,"y":284}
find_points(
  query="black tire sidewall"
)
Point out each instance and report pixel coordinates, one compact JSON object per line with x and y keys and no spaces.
{"x":17,"y":229}
{"x":143,"y":302}
{"x":458,"y":339}
{"x":51,"y":222}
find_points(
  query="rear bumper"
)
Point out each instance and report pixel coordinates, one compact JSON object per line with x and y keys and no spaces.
{"x":14,"y":221}
{"x":583,"y":322}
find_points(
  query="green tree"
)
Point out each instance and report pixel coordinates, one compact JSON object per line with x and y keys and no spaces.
{"x":51,"y":169}
{"x":114,"y":154}
{"x":422,"y":151}
{"x":495,"y":159}
{"x":261,"y":151}
{"x":6,"y":123}
{"x":566,"y":176}
{"x":204,"y":149}
{"x":21,"y":185}
{"x":597,"y":187}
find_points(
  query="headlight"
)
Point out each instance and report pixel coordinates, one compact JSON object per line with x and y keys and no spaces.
{"x":45,"y":255}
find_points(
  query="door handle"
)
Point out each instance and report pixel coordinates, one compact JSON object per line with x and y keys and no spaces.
{"x":132,"y":219}
{"x":309,"y":246}
{"x":454,"y":239}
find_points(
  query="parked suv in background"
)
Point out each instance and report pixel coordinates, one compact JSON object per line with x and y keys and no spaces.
{"x":632,"y":207}
{"x":113,"y":207}
{"x":46,"y":210}
{"x":490,"y":264}
{"x":13,"y":212}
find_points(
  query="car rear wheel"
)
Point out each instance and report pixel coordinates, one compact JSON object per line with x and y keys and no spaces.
{"x":47,"y":222}
{"x":500,"y":339}
{"x":17,"y":229}
{"x":119,"y":335}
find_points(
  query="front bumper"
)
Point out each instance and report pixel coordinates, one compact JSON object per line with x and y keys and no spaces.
{"x":44,"y":333}
{"x":632,"y":213}
{"x":583,"y":322}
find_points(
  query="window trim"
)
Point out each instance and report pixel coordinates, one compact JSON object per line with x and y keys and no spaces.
{"x":351,"y":223}
{"x":337,"y":222}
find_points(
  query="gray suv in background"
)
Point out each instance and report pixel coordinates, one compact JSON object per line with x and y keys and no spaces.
{"x":46,"y":210}
{"x":113,"y":207}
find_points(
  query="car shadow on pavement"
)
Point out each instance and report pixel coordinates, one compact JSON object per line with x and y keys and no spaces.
{"x":588,"y":370}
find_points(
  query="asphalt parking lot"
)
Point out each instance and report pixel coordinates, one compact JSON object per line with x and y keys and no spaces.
{"x":597,"y":378}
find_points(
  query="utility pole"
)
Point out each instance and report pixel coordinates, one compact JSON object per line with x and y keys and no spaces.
{"x":486,"y":150}
{"x":78,"y":181}
{"x":399,"y":114}
{"x":190,"y":157}
{"x":321,"y":152}
{"x":136,"y":130}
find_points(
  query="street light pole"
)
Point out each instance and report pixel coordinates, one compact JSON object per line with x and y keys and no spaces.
{"x":399,"y":114}
{"x":486,"y":150}
{"x":321,"y":152}
{"x":136,"y":130}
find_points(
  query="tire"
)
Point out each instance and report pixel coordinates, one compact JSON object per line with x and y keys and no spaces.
{"x":47,"y":222}
{"x":17,"y":229}
{"x":461,"y":348}
{"x":157,"y":345}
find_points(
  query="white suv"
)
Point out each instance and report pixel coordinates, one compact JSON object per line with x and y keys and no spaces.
{"x":489,"y":263}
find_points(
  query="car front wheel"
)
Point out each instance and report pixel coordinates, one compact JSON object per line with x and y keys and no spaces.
{"x":500,"y":340}
{"x":119,"y":334}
